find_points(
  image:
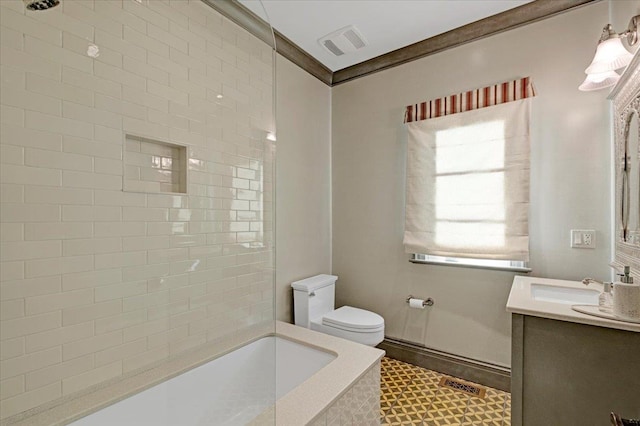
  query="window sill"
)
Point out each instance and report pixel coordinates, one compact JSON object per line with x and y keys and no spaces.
{"x":465,"y":263}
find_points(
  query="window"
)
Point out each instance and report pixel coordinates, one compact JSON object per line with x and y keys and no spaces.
{"x":468,"y":188}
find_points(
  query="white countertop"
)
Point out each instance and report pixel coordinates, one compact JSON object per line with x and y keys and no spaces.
{"x":522,"y":302}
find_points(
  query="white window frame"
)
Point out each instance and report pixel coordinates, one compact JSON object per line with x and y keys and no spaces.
{"x":499,"y":265}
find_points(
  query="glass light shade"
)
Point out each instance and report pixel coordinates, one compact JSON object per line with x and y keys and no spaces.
{"x":599,"y":81}
{"x":610,"y":56}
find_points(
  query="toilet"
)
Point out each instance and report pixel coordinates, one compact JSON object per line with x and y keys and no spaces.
{"x":313,"y":304}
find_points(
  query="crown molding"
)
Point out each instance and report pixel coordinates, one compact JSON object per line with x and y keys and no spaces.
{"x":507,"y":20}
{"x":301,"y":58}
{"x":255,"y":25}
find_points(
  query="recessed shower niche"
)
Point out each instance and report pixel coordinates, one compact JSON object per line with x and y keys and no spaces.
{"x":154,"y":166}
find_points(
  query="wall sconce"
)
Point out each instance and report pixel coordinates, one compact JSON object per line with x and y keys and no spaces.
{"x":611,"y":55}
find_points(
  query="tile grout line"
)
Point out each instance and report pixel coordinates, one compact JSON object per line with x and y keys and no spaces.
{"x":401,"y":392}
{"x":435,"y":396}
{"x":396,"y":400}
{"x":466,"y":410}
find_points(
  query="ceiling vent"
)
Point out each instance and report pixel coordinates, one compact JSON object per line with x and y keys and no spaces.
{"x":345,"y":40}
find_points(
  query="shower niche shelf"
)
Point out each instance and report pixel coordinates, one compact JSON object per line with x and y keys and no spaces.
{"x":154,"y":166}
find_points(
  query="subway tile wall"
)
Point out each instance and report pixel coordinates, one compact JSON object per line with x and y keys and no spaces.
{"x":97,"y":282}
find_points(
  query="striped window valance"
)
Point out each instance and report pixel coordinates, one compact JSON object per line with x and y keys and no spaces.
{"x":473,"y":99}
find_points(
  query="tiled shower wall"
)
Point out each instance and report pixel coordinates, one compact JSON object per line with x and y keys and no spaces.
{"x":98,"y":282}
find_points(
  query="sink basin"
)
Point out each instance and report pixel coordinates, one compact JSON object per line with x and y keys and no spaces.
{"x":564,"y":295}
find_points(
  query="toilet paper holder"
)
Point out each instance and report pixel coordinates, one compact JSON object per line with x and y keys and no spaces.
{"x":428,"y":302}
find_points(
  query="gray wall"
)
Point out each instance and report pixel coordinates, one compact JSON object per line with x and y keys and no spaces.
{"x":303,"y":180}
{"x":570,"y":187}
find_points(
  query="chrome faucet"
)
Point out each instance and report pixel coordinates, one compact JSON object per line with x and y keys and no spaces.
{"x":588,"y":281}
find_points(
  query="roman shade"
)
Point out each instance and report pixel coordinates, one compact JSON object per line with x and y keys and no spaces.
{"x":467,"y":177}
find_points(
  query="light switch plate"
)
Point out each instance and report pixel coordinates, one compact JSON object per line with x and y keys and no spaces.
{"x":583,"y":238}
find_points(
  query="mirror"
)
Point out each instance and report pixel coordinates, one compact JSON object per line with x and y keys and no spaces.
{"x":630,"y":209}
{"x":626,"y":123}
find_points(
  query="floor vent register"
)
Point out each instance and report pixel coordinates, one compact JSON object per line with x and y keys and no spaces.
{"x":458,"y":385}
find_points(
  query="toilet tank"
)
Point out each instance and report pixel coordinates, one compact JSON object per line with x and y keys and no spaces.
{"x":313,"y":297}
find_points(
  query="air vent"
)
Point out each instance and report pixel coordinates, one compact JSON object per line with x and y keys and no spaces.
{"x":469,"y":388}
{"x":331,"y":46}
{"x":345,"y":40}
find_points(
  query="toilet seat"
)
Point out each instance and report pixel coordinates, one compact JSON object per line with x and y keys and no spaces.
{"x":354,"y":320}
{"x":366,"y":337}
{"x":357,"y":325}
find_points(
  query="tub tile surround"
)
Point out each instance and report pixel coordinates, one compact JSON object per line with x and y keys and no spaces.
{"x":97,"y":283}
{"x":346,"y":391}
{"x":360,"y":405}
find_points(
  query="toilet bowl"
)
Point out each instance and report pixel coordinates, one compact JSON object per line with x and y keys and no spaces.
{"x":314,"y":301}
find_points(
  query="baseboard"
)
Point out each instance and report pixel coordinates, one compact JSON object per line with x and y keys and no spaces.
{"x":464,"y":368}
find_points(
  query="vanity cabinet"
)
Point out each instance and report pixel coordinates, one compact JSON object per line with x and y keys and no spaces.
{"x":566,"y":373}
{"x":569,"y":368}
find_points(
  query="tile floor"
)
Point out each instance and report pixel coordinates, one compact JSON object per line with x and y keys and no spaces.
{"x":411,"y":395}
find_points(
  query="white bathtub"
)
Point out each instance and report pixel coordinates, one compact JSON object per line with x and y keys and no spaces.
{"x":337,"y":384}
{"x":230,"y":390}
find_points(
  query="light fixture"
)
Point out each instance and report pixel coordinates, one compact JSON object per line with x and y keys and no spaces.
{"x":599,"y":81}
{"x":611,"y":55}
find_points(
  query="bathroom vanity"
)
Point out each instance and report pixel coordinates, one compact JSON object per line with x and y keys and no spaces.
{"x":569,"y":368}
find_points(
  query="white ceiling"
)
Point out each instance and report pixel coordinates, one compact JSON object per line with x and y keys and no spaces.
{"x":385,"y":24}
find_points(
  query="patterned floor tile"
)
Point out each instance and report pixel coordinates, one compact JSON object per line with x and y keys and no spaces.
{"x":507,"y":410}
{"x":394,"y":379}
{"x":489,"y":422}
{"x":450,"y":399}
{"x":415,"y":402}
{"x":411,"y":395}
{"x":428,"y":377}
{"x":447,"y":408}
{"x":396,"y":372}
{"x":403,"y":415}
{"x":479,"y":416}
{"x":388,"y":397}
{"x":418,"y":393}
{"x":486,"y":411}
{"x":442,"y":420}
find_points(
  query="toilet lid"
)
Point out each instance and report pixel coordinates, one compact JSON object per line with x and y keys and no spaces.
{"x":353,"y":318}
